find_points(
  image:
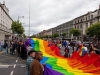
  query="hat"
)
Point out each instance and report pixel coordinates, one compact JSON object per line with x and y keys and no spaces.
{"x":30,"y":51}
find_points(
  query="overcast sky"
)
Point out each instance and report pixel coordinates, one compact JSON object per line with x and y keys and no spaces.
{"x":45,"y":14}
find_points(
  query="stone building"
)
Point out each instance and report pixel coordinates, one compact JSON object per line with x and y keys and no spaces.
{"x":85,"y":21}
{"x":5,"y":23}
{"x":65,"y":28}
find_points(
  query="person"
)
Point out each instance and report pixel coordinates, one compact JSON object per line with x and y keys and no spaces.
{"x":5,"y":47}
{"x":36,"y":67}
{"x":23,"y":51}
{"x":18,"y":49}
{"x":2,"y":43}
{"x":95,"y":50}
{"x":90,"y":48}
{"x":12,"y":47}
{"x":84,"y":50}
{"x":31,"y":56}
{"x":65,"y":43}
{"x":66,"y":52}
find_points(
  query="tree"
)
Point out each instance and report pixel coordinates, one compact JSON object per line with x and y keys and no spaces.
{"x":64,"y":34}
{"x":50,"y":36}
{"x":94,"y":30}
{"x":56,"y":35}
{"x":75,"y":32}
{"x":17,"y":27}
{"x":33,"y":36}
{"x":24,"y":35}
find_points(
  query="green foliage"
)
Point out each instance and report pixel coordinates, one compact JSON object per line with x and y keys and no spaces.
{"x":55,"y":35}
{"x":33,"y":36}
{"x":94,"y":30}
{"x":75,"y":32}
{"x":64,"y":34}
{"x":24,"y":35}
{"x":50,"y":36}
{"x":17,"y":27}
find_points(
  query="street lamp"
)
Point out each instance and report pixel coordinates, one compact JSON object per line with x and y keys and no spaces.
{"x":29,"y":18}
{"x":20,"y":17}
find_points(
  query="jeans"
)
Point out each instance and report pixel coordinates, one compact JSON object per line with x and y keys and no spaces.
{"x":0,"y":48}
{"x":5,"y":50}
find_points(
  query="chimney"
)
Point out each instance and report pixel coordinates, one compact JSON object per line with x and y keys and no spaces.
{"x":4,"y":2}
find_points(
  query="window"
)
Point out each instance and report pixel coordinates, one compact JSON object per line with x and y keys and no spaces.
{"x":78,"y":21}
{"x":81,"y":20}
{"x":75,"y":27}
{"x":86,"y":25}
{"x":86,"y":18}
{"x":91,"y":16}
{"x":91,"y":23}
{"x":78,"y":26}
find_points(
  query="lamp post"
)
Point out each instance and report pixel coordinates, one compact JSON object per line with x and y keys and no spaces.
{"x":29,"y":18}
{"x":20,"y":17}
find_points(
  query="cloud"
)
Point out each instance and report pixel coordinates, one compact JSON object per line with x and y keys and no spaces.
{"x":45,"y":14}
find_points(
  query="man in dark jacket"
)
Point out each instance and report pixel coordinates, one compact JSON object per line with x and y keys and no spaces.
{"x":36,"y":67}
{"x":23,"y":51}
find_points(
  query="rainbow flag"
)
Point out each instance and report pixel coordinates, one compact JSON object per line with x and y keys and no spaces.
{"x":58,"y":65}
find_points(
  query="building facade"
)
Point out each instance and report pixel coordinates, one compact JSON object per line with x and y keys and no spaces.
{"x":5,"y":23}
{"x":82,"y":23}
{"x":85,"y":21}
{"x":65,"y":28}
{"x":48,"y":32}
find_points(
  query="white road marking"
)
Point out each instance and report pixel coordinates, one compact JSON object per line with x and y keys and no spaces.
{"x":14,"y":66}
{"x":23,"y":66}
{"x":17,"y":59}
{"x":11,"y":72}
{"x":5,"y":66}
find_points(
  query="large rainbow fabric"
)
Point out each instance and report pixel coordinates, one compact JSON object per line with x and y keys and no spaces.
{"x":58,"y":65}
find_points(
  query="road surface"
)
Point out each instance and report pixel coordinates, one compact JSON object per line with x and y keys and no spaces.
{"x":12,"y":65}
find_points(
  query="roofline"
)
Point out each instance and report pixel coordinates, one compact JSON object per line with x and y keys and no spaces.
{"x":86,"y":13}
{"x":5,"y":11}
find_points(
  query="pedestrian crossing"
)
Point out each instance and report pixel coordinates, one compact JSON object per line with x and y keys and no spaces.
{"x":11,"y":65}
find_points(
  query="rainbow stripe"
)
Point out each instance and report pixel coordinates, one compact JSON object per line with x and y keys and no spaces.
{"x":58,"y":65}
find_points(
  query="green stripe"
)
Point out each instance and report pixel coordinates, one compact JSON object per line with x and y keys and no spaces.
{"x":52,"y":61}
{"x":37,"y":47}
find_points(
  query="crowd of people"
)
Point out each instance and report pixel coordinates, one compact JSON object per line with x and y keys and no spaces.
{"x":75,"y":45}
{"x":14,"y":47}
{"x":33,"y":66}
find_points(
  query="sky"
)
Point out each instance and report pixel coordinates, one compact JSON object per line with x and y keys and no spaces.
{"x":46,"y":14}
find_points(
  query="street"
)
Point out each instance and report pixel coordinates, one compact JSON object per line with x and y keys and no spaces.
{"x":11,"y":65}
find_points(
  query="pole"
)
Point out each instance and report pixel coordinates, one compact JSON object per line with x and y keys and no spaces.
{"x":18,"y":18}
{"x":29,"y":18}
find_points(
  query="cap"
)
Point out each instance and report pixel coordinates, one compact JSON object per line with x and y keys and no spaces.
{"x":30,"y":51}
